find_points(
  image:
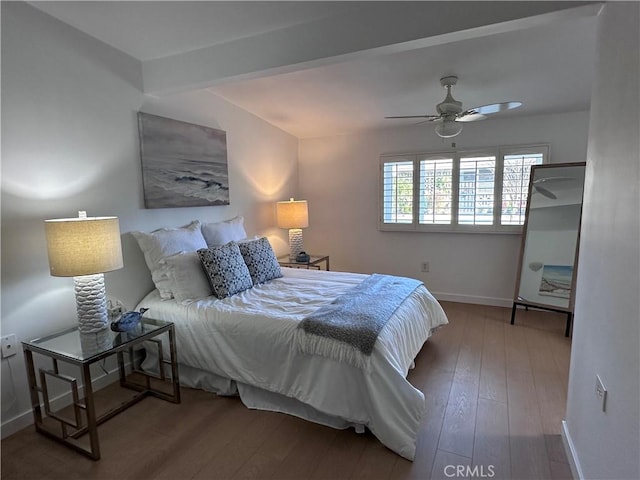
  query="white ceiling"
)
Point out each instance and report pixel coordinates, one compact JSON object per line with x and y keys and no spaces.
{"x":154,"y":29}
{"x":547,"y":67}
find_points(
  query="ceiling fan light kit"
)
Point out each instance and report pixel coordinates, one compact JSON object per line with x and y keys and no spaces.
{"x":448,"y":128}
{"x":451,"y":114}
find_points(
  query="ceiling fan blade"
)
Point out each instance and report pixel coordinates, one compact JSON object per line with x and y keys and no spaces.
{"x":430,"y":117}
{"x":554,"y":179}
{"x":495,"y":108}
{"x":428,"y":120}
{"x":470,"y":116}
{"x":545,"y":192}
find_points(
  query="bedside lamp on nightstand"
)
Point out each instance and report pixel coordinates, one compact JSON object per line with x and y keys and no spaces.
{"x":84,"y":248}
{"x":293,"y":215}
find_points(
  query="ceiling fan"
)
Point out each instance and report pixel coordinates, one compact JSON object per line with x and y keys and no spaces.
{"x":545,"y":191}
{"x":450,"y":112}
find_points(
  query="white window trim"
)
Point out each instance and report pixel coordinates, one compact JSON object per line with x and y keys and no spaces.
{"x":500,"y":152}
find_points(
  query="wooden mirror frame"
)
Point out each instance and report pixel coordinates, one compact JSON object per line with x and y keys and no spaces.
{"x":517,"y":299}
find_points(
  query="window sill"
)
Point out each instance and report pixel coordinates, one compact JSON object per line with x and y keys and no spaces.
{"x":490,"y":230}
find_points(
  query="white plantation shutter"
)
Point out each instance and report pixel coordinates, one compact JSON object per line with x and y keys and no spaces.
{"x":515,"y":182}
{"x":476,"y":190}
{"x":397,"y":191}
{"x":469,"y":191}
{"x":436,"y":191}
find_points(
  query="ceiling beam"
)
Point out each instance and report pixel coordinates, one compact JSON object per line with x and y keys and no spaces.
{"x":381,"y":27}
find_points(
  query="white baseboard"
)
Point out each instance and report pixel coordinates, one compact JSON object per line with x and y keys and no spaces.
{"x":570,"y":450}
{"x":24,"y":419}
{"x":478,"y":300}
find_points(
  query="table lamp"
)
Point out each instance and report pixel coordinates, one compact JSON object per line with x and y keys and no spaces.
{"x":84,"y":248}
{"x":293,"y":215}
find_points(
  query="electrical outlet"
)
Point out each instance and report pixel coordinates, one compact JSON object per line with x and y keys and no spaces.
{"x":9,"y":345}
{"x":424,"y":267}
{"x":601,"y":392}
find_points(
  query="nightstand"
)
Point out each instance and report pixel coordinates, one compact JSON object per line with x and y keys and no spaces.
{"x":314,"y":262}
{"x":81,"y":350}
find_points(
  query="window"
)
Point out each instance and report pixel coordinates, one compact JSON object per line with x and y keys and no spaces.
{"x":435,"y":191}
{"x":476,"y":190}
{"x":515,"y":185}
{"x":398,"y":192}
{"x":472,"y":191}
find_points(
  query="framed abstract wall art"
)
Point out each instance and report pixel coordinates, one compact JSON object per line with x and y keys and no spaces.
{"x":183,"y":164}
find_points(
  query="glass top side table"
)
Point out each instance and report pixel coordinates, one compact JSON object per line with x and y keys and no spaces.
{"x":314,"y":262}
{"x":82,"y":347}
{"x":83,"y":350}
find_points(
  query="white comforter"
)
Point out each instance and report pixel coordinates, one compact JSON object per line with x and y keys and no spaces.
{"x":249,"y":338}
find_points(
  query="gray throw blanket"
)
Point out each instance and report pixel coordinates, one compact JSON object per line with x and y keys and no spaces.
{"x":348,"y":328}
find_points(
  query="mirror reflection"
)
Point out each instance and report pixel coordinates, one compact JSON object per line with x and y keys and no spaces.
{"x":546,"y":274}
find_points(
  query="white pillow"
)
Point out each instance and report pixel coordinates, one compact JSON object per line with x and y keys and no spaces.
{"x":164,"y":242}
{"x":221,"y":233}
{"x":187,"y":277}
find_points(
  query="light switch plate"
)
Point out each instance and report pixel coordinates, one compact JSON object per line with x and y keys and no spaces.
{"x":601,"y":392}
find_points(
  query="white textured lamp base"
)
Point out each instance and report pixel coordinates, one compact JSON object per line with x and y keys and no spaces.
{"x":295,"y":243}
{"x":91,"y":303}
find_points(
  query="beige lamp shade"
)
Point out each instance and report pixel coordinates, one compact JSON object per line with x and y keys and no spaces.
{"x":292,"y":214}
{"x":83,"y":246}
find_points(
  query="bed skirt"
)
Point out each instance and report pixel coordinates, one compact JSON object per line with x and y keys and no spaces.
{"x":251,"y":396}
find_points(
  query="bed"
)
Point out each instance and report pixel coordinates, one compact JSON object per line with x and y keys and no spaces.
{"x":249,"y":344}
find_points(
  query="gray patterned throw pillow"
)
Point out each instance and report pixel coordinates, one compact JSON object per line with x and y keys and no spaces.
{"x":226,"y":270}
{"x":260,"y":259}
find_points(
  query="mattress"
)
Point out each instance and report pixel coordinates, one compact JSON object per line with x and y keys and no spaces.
{"x":247,"y":341}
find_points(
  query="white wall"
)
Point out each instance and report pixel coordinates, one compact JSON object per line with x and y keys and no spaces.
{"x":70,"y":142}
{"x":339,"y":178}
{"x":606,"y":337}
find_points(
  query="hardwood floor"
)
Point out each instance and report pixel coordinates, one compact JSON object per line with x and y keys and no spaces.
{"x":495,"y":397}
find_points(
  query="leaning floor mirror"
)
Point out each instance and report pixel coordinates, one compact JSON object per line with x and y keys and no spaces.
{"x":549,"y":253}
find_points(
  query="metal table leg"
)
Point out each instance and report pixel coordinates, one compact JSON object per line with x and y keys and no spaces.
{"x":92,"y":425}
